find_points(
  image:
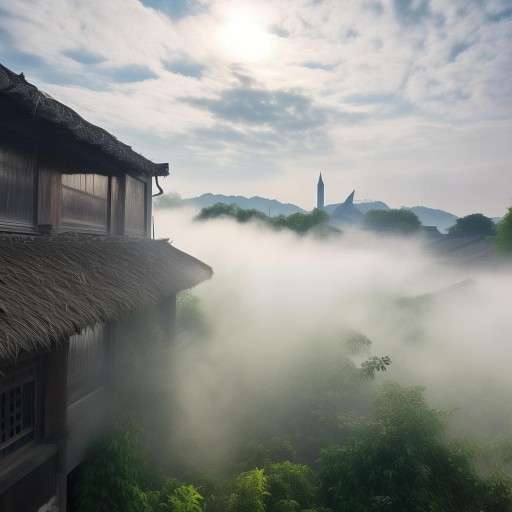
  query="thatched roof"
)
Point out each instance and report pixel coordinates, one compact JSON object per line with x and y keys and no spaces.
{"x":41,"y":106}
{"x":464,"y":249}
{"x":52,"y":287}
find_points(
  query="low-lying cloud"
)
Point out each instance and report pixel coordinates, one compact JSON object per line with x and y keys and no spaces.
{"x":273,"y":292}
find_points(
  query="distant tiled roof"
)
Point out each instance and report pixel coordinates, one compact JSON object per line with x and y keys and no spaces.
{"x":464,"y":249}
{"x":42,"y":106}
{"x":52,"y":287}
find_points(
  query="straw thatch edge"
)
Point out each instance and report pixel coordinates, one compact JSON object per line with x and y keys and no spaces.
{"x":43,"y":106}
{"x":52,"y":287}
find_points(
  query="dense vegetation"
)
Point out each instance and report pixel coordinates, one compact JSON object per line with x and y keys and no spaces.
{"x":474,"y":224}
{"x":397,"y":221}
{"x":503,"y":238}
{"x":329,"y":438}
{"x":171,"y":200}
{"x":298,"y":222}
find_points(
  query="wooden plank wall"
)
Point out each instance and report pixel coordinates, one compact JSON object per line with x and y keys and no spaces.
{"x":117,"y":213}
{"x":49,"y":190}
{"x":17,"y":180}
{"x":135,"y":207}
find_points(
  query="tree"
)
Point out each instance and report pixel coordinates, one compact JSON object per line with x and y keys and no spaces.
{"x":400,"y":221}
{"x":299,"y":222}
{"x":474,"y":224}
{"x":503,"y":238}
{"x":249,"y":493}
{"x":291,"y":486}
{"x":218,"y":210}
{"x":399,"y":461}
{"x":172,"y":200}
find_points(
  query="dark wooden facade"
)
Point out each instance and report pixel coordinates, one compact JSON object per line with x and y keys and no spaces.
{"x":50,"y":182}
{"x":41,"y":189}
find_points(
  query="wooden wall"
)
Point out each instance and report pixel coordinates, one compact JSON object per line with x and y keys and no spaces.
{"x":50,"y":169}
{"x":17,"y":182}
{"x":135,"y":207}
{"x":33,"y":491}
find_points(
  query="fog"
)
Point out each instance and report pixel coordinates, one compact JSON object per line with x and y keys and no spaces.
{"x":274,"y":293}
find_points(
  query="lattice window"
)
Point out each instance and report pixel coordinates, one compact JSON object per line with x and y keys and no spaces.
{"x":17,"y":410}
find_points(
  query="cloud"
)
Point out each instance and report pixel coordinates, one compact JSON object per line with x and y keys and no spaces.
{"x":285,"y":110}
{"x":132,"y":73}
{"x":175,"y":9}
{"x":84,"y":57}
{"x":412,"y":11}
{"x":185,"y":68}
{"x":340,"y":85}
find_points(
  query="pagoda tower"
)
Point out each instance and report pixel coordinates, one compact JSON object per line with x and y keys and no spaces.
{"x":320,"y":193}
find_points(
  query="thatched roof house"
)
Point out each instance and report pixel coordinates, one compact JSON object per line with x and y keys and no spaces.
{"x":76,"y":257}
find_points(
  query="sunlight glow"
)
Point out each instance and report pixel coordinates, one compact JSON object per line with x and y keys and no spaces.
{"x":243,"y":40}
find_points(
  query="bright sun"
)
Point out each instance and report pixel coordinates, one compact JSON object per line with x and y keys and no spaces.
{"x":244,"y":40}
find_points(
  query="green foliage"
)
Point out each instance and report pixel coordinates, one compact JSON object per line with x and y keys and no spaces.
{"x":185,"y":498}
{"x":474,"y":224}
{"x":497,"y":493}
{"x":286,"y":506}
{"x":250,"y":491}
{"x":291,"y":486}
{"x":503,"y":238}
{"x":393,"y":457}
{"x":230,"y":210}
{"x":252,"y":454}
{"x":110,"y":474}
{"x":298,"y":222}
{"x":399,"y":461}
{"x":374,"y":364}
{"x":190,"y":318}
{"x":357,"y":343}
{"x":400,"y":221}
{"x":172,"y":200}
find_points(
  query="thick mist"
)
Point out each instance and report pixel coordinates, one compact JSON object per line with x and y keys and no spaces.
{"x":274,"y":294}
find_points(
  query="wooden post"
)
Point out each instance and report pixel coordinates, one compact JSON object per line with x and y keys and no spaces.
{"x":49,"y":190}
{"x":55,"y":409}
{"x":117,"y":206}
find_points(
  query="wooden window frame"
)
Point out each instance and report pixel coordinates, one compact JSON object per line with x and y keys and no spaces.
{"x":13,"y":378}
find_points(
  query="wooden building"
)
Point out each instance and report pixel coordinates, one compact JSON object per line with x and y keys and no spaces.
{"x":75,"y":258}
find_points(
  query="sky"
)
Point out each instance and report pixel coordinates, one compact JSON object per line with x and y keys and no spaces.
{"x":405,"y":101}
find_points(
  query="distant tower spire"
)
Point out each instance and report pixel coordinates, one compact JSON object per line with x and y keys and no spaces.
{"x":320,"y":193}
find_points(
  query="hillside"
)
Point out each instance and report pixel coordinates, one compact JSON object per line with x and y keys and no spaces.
{"x":428,"y":216}
{"x":362,"y":207}
{"x":431,"y":217}
{"x":257,"y":203}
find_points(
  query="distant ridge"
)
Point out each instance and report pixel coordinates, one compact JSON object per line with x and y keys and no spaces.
{"x":428,"y":216}
{"x":431,"y":217}
{"x":362,"y":207}
{"x":257,"y":203}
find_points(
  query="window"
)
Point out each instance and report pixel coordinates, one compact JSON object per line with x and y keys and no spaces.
{"x":85,"y":202}
{"x":17,"y":410}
